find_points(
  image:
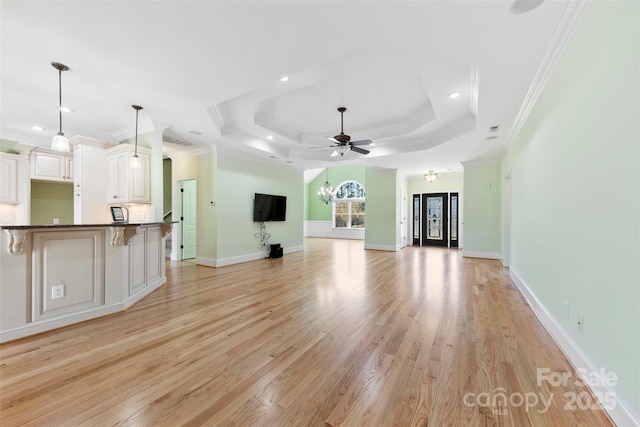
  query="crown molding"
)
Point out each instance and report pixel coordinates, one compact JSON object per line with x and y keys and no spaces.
{"x":480,"y":162}
{"x":571,"y":17}
{"x":144,"y":126}
{"x":85,"y":140}
{"x":269,"y":122}
{"x":474,"y":89}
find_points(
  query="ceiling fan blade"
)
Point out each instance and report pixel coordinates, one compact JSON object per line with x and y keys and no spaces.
{"x":362,"y":142}
{"x":360,"y":150}
{"x":323,"y":146}
{"x":335,"y":153}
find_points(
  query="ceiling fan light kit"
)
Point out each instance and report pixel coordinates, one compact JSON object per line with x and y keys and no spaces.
{"x":343,"y":143}
{"x":59,"y":141}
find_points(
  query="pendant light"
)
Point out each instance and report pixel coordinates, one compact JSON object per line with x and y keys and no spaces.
{"x":135,"y":163}
{"x":325,"y":194}
{"x":60,"y":142}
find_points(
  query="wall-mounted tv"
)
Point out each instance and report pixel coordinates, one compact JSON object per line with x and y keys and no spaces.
{"x":267,"y":207}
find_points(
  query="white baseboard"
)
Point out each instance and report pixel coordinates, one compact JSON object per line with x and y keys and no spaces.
{"x":50,"y":324}
{"x":144,"y":292}
{"x":480,"y":254}
{"x":621,"y":414}
{"x":326,"y":229}
{"x":70,"y":319}
{"x":222,"y":262}
{"x":390,"y":248}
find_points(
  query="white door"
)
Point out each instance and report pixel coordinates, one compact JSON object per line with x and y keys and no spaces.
{"x":403,"y":219}
{"x":188,"y":218}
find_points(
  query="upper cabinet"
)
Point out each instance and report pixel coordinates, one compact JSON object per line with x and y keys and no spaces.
{"x":51,"y":166}
{"x":9,"y":178}
{"x":125,"y":184}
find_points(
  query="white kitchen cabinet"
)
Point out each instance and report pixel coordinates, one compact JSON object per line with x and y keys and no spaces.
{"x":51,"y":166}
{"x":9,"y":178}
{"x":124,"y":184}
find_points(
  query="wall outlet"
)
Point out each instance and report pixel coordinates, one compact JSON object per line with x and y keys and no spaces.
{"x":57,"y":291}
{"x":566,"y":309}
{"x":580,"y":323}
{"x":56,"y":221}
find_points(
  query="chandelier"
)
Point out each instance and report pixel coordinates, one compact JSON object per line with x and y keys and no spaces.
{"x":431,"y":176}
{"x":325,"y":194}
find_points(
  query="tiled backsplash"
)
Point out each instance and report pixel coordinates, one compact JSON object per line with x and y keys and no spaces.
{"x":8,"y":214}
{"x":141,"y":213}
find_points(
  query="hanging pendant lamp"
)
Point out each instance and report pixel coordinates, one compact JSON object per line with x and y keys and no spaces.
{"x":325,"y":194}
{"x":60,"y":142}
{"x":135,"y":163}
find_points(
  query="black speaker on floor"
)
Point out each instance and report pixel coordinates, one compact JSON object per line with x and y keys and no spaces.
{"x":276,"y":251}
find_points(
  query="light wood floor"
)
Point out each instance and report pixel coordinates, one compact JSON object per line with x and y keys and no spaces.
{"x":334,"y":335}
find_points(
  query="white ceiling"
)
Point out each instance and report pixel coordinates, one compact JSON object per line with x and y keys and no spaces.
{"x":214,"y":67}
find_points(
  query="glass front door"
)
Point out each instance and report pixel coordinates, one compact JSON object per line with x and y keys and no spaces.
{"x":435,"y":219}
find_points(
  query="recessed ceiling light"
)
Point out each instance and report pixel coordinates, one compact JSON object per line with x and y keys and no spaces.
{"x":270,"y":137}
{"x":195,"y":132}
{"x":65,"y":109}
{"x":284,"y":79}
{"x":39,"y":128}
{"x":454,"y":95}
{"x":491,"y":137}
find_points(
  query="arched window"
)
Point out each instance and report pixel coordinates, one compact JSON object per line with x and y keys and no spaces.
{"x":348,"y":206}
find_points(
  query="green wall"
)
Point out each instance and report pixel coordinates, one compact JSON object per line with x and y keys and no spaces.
{"x":381,"y":208}
{"x":200,"y":166}
{"x":237,"y":181}
{"x":482,"y":218}
{"x":51,"y":200}
{"x":575,"y":179}
{"x":318,"y":211}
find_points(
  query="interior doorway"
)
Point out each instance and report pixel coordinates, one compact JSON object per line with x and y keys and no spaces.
{"x":188,"y":218}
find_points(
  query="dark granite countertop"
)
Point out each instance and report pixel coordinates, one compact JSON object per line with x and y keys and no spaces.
{"x":57,"y":226}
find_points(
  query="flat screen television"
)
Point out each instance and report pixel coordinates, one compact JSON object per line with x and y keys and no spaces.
{"x":267,"y":207}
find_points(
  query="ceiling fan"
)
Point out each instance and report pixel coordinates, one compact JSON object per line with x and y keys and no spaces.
{"x":343,"y":143}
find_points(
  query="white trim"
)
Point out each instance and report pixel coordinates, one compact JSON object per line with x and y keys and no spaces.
{"x":480,"y":254}
{"x":622,"y":415}
{"x":71,"y":319}
{"x":145,"y":291}
{"x":480,"y":162}
{"x":571,"y":17}
{"x":223,"y":262}
{"x":326,"y":229}
{"x":390,"y":248}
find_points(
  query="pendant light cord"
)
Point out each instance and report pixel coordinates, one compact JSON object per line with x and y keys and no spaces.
{"x":60,"y":98}
{"x":136,"y":149}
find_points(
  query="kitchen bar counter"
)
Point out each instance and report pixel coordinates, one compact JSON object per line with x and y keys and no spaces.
{"x":59,"y":274}
{"x":120,"y":232}
{"x":28,"y":227}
